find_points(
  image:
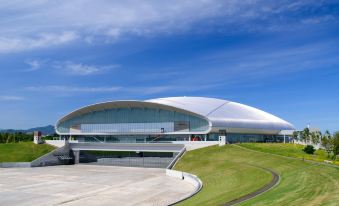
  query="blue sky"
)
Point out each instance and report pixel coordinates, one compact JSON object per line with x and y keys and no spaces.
{"x":279,"y":56}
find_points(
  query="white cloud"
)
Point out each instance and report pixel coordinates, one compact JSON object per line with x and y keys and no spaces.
{"x":78,"y":69}
{"x":76,"y":89}
{"x":149,"y":90}
{"x":244,"y":65}
{"x":71,"y":89}
{"x":10,"y":98}
{"x":15,"y":44}
{"x":112,"y":20}
{"x":33,"y":64}
{"x":318,"y":19}
{"x":70,"y":68}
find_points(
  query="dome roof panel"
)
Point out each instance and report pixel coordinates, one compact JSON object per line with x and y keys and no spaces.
{"x":225,"y":113}
{"x":199,"y":105}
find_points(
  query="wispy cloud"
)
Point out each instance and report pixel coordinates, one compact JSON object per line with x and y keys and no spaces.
{"x":10,"y":98}
{"x":72,"y":89}
{"x":79,"y":69}
{"x":318,"y":19}
{"x":92,"y":21}
{"x":70,"y":68}
{"x":144,"y":90}
{"x":33,"y":65}
{"x":15,"y":44}
{"x":244,"y":66}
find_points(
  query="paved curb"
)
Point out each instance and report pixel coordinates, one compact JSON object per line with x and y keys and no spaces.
{"x":189,"y":178}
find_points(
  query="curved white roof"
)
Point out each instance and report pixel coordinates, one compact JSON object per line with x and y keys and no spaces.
{"x":227,"y":114}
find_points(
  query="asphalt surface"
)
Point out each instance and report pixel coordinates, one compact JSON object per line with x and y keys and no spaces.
{"x":89,"y":185}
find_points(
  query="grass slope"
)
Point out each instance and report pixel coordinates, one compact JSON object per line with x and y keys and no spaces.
{"x":23,"y":151}
{"x":289,"y":150}
{"x":231,"y":171}
{"x":223,"y":179}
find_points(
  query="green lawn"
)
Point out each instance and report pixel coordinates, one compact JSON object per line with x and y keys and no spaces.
{"x":23,"y":151}
{"x":231,"y":171}
{"x":289,"y":150}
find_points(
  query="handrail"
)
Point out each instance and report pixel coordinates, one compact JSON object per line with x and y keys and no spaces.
{"x":176,"y":158}
{"x":97,"y":139}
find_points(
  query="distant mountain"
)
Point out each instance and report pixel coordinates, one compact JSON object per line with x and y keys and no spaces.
{"x":46,"y":130}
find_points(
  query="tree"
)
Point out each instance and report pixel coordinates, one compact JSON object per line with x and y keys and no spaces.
{"x":309,"y":149}
{"x":315,"y":137}
{"x":335,"y":145}
{"x":15,"y":137}
{"x":305,"y":135}
{"x":326,"y":143}
{"x":295,"y":135}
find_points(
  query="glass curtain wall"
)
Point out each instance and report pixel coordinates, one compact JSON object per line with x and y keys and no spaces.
{"x":132,"y":120}
{"x":235,"y":138}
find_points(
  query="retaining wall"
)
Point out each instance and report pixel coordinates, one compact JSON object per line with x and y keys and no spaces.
{"x":59,"y":143}
{"x":14,"y":164}
{"x":189,"y":178}
{"x":52,"y":158}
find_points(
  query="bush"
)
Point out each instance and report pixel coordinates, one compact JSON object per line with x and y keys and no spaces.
{"x":309,"y":149}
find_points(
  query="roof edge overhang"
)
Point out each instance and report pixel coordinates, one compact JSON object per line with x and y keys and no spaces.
{"x":125,"y":104}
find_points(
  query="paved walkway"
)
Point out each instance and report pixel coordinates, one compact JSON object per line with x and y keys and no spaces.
{"x":89,"y":185}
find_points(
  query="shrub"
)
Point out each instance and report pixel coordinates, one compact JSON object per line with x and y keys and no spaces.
{"x":309,"y":149}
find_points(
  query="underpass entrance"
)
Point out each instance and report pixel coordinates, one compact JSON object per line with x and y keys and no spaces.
{"x":127,"y":158}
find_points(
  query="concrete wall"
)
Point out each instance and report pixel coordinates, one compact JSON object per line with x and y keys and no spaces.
{"x":189,"y":178}
{"x":141,"y":147}
{"x":59,"y":143}
{"x":45,"y":160}
{"x":52,"y":158}
{"x":192,"y":145}
{"x":14,"y":164}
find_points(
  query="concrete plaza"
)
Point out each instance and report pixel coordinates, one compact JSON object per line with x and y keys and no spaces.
{"x":89,"y":185}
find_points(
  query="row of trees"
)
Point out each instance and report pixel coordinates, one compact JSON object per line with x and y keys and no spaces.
{"x":15,"y":137}
{"x":326,"y":140}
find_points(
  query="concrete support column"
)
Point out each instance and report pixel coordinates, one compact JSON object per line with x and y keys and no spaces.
{"x":76,"y":156}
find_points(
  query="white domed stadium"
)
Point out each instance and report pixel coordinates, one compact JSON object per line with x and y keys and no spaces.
{"x":172,"y":119}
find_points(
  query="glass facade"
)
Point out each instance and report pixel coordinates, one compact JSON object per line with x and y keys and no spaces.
{"x":133,"y":120}
{"x":236,"y":138}
{"x":128,"y":127}
{"x":231,"y":138}
{"x":133,"y":138}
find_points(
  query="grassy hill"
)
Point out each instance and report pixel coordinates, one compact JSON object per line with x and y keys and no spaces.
{"x":231,"y":171}
{"x":289,"y":150}
{"x":23,"y":151}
